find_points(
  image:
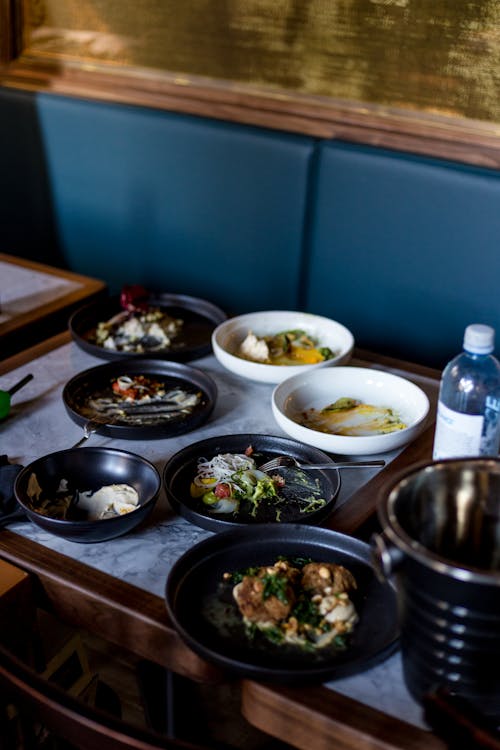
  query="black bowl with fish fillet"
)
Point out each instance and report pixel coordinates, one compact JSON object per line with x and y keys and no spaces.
{"x":141,"y":398}
{"x":58,"y":492}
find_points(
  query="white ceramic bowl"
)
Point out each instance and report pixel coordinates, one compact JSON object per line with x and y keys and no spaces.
{"x":316,"y":389}
{"x":228,"y":336}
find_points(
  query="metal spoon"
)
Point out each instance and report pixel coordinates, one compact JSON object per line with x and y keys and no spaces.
{"x":88,"y":429}
{"x":275,"y":463}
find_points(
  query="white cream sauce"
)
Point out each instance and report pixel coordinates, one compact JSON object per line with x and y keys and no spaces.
{"x":110,"y":500}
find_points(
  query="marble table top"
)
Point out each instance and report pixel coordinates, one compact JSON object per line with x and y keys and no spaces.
{"x":39,"y":424}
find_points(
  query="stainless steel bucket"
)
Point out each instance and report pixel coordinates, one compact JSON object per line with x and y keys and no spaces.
{"x":441,"y":540}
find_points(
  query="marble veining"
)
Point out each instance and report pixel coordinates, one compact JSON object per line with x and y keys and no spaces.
{"x":39,"y":424}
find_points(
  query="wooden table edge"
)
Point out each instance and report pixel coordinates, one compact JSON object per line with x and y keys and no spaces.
{"x":63,"y":273}
{"x":89,"y":289}
{"x":34,"y":352}
{"x":341,"y":722}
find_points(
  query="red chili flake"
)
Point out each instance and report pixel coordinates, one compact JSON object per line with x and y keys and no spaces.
{"x":134,"y":297}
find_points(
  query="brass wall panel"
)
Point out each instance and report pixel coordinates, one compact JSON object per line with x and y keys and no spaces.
{"x":436,"y":56}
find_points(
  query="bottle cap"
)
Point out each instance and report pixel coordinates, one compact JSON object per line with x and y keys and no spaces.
{"x":479,"y":339}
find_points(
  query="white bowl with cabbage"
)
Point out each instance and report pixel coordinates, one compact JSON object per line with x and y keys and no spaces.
{"x":350,"y":410}
{"x":271,"y":346}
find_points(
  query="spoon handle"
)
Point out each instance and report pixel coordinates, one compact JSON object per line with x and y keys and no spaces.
{"x":80,"y":442}
{"x":88,"y":429}
{"x":347,"y":465}
{"x":19,"y":385}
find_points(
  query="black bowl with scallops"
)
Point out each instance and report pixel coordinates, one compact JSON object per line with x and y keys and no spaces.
{"x":48,"y":489}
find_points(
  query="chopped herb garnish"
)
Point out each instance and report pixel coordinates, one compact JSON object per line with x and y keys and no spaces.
{"x":238,"y":575}
{"x":275,"y":585}
{"x":295,"y":562}
{"x":306,"y":611}
{"x":274,"y":635}
{"x":307,"y":616}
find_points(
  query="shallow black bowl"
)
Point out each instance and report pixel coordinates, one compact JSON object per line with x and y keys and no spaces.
{"x":89,"y":469}
{"x":182,"y":468}
{"x":194,"y":584}
{"x":97,"y":381}
{"x":200,"y":319}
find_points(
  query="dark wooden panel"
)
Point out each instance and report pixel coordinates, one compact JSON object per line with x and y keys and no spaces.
{"x":361,"y":505}
{"x":321,"y":719}
{"x":118,"y":612}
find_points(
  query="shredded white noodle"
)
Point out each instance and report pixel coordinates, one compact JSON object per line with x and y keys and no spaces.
{"x":221,"y":467}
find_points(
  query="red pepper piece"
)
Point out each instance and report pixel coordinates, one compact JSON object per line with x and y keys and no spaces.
{"x":134,"y":297}
{"x":222,"y":490}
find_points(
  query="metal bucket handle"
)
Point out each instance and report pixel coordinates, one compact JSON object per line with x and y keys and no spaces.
{"x":385,"y":556}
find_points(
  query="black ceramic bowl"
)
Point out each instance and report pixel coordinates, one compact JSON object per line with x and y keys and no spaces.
{"x":194,"y":587}
{"x":199,"y":316}
{"x":95,"y":382}
{"x":182,"y":467}
{"x":89,"y":469}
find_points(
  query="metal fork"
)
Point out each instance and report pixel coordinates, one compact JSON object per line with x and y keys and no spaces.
{"x":275,"y":463}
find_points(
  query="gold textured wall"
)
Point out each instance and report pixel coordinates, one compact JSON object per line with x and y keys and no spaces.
{"x":437,"y":56}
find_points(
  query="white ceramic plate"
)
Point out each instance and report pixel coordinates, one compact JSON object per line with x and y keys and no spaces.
{"x":318,"y":388}
{"x":228,"y":336}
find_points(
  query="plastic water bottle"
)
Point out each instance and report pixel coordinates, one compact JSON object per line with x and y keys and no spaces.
{"x":468,"y":415}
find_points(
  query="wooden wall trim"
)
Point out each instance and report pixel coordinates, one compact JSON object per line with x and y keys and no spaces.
{"x":461,"y":140}
{"x":6,"y":52}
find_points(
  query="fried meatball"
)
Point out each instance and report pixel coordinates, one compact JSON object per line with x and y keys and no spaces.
{"x":327,"y":578}
{"x":252,"y":605}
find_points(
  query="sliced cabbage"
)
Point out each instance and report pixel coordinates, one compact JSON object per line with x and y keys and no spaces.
{"x":350,"y":417}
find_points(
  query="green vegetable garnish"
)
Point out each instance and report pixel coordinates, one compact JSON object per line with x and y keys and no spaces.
{"x":306,"y":610}
{"x":239,"y":575}
{"x":275,"y":585}
{"x":309,"y":620}
{"x":314,"y":503}
{"x":341,"y":404}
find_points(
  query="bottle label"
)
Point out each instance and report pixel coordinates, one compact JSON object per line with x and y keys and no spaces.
{"x":457,"y":434}
{"x":490,"y":440}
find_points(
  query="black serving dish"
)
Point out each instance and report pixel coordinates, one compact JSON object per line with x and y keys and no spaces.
{"x":195,"y":579}
{"x":97,"y":382}
{"x":182,"y":468}
{"x":89,"y":469}
{"x":200,"y":319}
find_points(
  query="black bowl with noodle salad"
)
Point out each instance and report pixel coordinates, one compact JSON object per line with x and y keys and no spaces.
{"x":305,"y":496}
{"x":86,"y":470}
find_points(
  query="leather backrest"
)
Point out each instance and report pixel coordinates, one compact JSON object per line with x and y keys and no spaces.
{"x":176,"y":203}
{"x":404,"y":250}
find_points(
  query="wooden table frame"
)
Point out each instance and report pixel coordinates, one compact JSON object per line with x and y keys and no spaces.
{"x":26,"y":329}
{"x":312,"y":718}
